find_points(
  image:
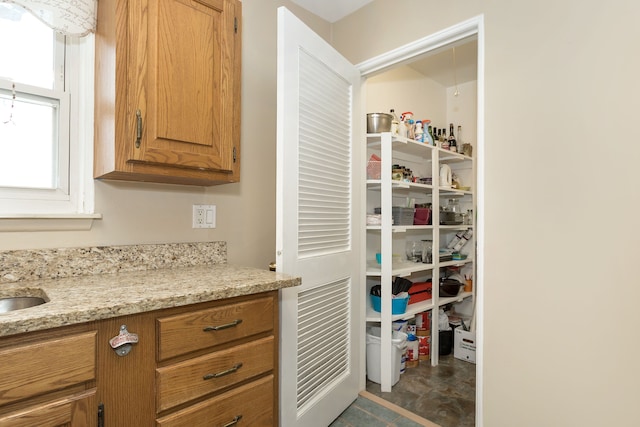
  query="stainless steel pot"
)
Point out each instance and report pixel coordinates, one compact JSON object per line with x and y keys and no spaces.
{"x":378,"y":122}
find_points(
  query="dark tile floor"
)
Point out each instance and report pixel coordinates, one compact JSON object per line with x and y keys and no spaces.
{"x":367,"y":413}
{"x":443,"y":394}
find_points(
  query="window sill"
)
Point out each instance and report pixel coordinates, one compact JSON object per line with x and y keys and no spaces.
{"x":47,"y":222}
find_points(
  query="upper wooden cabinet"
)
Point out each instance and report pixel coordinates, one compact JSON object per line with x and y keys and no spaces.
{"x":168,"y":91}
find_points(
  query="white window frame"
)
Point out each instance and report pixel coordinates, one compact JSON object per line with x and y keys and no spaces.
{"x":50,"y":208}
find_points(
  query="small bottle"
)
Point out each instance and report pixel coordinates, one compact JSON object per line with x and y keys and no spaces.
{"x":411,"y":126}
{"x":439,"y":137}
{"x":456,"y":239}
{"x":465,"y":238}
{"x":445,"y":141}
{"x":452,"y":139}
{"x":402,"y":127}
{"x":395,"y":122}
{"x":459,"y":138}
{"x":431,"y":136}
{"x":406,"y":120}
{"x":419,"y":132}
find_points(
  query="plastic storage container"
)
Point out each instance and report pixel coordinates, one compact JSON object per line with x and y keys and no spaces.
{"x":374,"y":346}
{"x":398,"y":305}
{"x":400,"y":215}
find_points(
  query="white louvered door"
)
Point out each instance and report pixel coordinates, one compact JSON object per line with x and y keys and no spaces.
{"x":318,"y":227}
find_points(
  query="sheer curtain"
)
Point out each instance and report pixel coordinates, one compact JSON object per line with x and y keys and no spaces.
{"x":69,"y":17}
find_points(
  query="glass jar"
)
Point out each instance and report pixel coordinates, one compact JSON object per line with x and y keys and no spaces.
{"x":427,"y":251}
{"x":454,"y":206}
{"x":414,"y":251}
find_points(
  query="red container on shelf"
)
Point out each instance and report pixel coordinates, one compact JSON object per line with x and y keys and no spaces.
{"x":420,"y":291}
{"x":421,"y":216}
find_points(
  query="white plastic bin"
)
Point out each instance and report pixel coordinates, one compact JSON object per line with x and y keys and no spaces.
{"x":399,"y":343}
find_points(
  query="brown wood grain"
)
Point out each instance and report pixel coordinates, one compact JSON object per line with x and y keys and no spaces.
{"x":178,"y":62}
{"x":185,"y":381}
{"x":74,"y":411}
{"x":50,"y":365}
{"x":185,"y":333}
{"x":253,"y":402}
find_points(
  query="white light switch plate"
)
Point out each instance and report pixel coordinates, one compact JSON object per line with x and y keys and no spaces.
{"x":204,"y":216}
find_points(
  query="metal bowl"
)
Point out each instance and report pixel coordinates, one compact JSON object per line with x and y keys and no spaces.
{"x":378,"y":122}
{"x":19,"y":303}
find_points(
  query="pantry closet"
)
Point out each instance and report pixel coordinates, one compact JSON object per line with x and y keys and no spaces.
{"x":437,"y":88}
{"x":322,"y":194}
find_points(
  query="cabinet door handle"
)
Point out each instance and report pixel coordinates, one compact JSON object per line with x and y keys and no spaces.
{"x":234,"y":422}
{"x":223,"y":373}
{"x":225,"y":326}
{"x":138,"y":128}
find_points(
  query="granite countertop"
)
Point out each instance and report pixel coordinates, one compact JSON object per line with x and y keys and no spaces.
{"x":79,"y":299}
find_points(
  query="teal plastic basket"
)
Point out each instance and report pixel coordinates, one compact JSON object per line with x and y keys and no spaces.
{"x":398,"y":305}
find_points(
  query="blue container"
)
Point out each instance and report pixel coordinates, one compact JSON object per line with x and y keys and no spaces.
{"x":398,"y":305}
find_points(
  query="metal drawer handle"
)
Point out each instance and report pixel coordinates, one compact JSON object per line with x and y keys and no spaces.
{"x":223,"y":373}
{"x":234,"y":422}
{"x":225,"y":326}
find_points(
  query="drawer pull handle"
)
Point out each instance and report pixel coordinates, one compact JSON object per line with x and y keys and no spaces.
{"x":234,"y":422}
{"x":225,"y":326}
{"x":223,"y":373}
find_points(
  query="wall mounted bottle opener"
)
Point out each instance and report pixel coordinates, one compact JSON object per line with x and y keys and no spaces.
{"x":123,"y":342}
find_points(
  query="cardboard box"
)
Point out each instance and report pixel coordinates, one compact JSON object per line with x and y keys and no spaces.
{"x":464,"y":345}
{"x":424,"y":347}
{"x":423,"y":320}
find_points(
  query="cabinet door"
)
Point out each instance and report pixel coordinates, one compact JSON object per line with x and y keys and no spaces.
{"x":182,"y":80}
{"x":74,"y":411}
{"x":27,"y":370}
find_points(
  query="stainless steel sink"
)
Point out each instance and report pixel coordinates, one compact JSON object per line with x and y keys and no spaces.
{"x":18,"y":303}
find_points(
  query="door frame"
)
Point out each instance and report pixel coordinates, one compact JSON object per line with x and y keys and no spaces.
{"x":473,"y":27}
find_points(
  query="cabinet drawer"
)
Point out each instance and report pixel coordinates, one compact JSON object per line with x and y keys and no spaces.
{"x":33,"y":369}
{"x":252,"y":404}
{"x":188,"y":380}
{"x":74,"y":411}
{"x":185,"y":333}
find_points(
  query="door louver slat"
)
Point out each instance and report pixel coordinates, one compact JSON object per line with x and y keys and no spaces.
{"x":324,"y":187}
{"x":323,"y":338}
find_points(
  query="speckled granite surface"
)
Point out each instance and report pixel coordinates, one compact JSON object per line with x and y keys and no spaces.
{"x":34,"y":264}
{"x":75,"y":298}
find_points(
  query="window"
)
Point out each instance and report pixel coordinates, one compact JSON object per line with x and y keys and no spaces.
{"x":46,"y":117}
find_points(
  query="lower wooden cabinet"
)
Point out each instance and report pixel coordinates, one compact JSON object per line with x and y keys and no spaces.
{"x":199,"y":365}
{"x":48,"y":379}
{"x":75,"y":410}
{"x":190,"y":379}
{"x":217,"y":364}
{"x":248,"y":405}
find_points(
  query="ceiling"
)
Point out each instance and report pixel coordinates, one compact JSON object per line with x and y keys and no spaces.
{"x":438,"y":66}
{"x":331,"y":10}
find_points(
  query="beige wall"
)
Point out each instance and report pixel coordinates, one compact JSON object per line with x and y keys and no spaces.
{"x":560,"y":289}
{"x":156,"y":213}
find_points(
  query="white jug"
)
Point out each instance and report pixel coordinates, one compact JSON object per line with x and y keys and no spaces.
{"x":445,"y":176}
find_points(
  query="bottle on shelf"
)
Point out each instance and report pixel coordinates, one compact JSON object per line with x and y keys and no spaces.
{"x":439,"y":137}
{"x":445,"y":141}
{"x":419,"y":132}
{"x":395,"y":122}
{"x":429,"y":132}
{"x":459,"y":138}
{"x":407,"y":120}
{"x":452,"y":139}
{"x":403,"y":130}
